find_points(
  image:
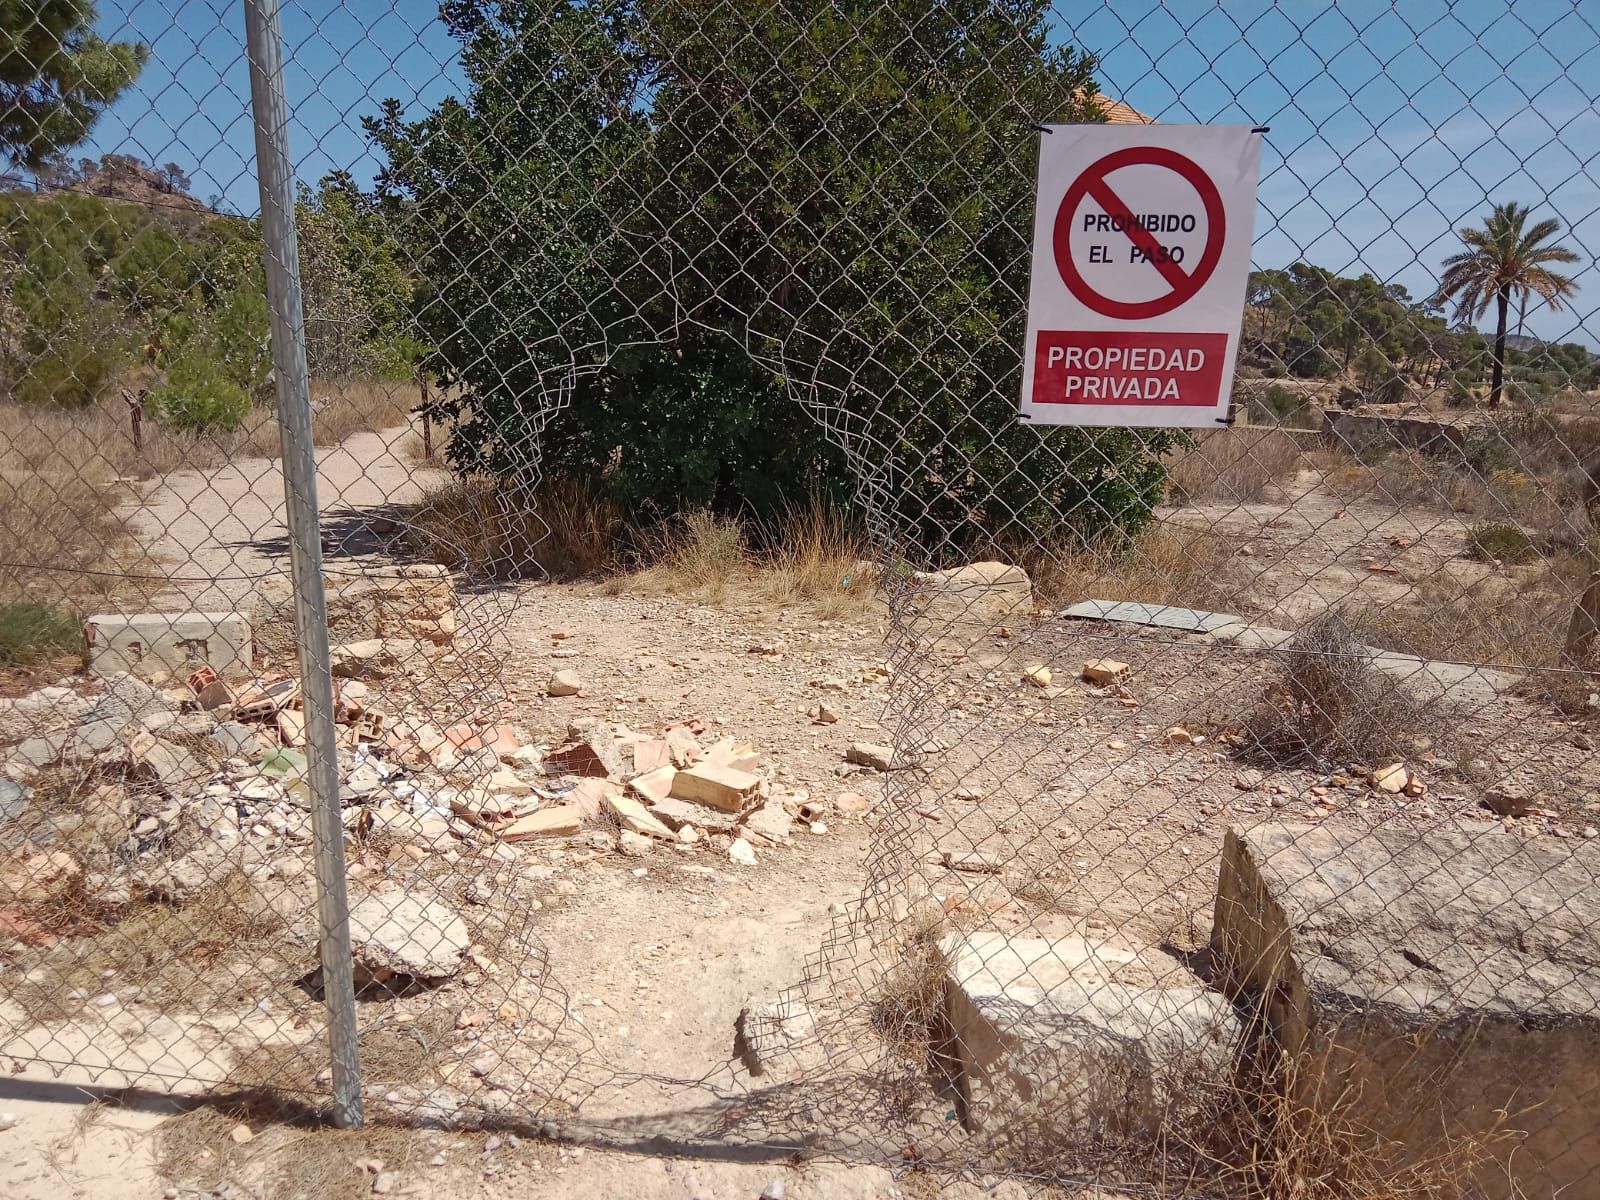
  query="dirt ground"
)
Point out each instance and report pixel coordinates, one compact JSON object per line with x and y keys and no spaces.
{"x":617,"y":981}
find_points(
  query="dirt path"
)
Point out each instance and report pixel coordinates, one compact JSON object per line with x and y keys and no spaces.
{"x":217,"y":531}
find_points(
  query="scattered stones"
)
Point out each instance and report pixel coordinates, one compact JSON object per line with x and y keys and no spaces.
{"x":394,"y":935}
{"x":13,"y":800}
{"x":1248,"y":779}
{"x":770,"y":822}
{"x":824,"y":714}
{"x":1391,"y":779}
{"x":1178,"y":735}
{"x":1509,"y":799}
{"x":1038,"y":675}
{"x":564,"y":683}
{"x":241,"y":1134}
{"x":742,"y":852}
{"x":852,"y":804}
{"x":1103,"y":671}
{"x":869,"y":754}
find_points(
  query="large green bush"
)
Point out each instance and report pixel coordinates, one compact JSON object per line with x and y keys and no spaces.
{"x":198,"y":396}
{"x":730,"y":261}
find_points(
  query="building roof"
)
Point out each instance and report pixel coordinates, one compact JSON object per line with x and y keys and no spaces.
{"x":1118,"y":113}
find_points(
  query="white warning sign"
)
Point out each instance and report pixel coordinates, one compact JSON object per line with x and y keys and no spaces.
{"x":1141,"y":255}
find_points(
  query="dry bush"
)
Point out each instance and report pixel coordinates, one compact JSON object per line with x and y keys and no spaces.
{"x":907,"y":1008}
{"x":565,"y":529}
{"x":227,"y":945}
{"x":1330,"y":704}
{"x":1309,"y":1136}
{"x":1168,"y":564}
{"x":1233,"y":466}
{"x":697,"y":555}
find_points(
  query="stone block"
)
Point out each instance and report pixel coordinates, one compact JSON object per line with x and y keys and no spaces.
{"x":1431,"y":982}
{"x":1042,"y":1047}
{"x":414,"y":602}
{"x":146,"y":643}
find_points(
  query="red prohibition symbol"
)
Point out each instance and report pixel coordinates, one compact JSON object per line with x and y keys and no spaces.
{"x":1092,"y":184}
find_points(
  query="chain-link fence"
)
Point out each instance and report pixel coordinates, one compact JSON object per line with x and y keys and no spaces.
{"x":701,"y":714}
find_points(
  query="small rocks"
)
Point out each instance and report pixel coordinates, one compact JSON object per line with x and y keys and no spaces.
{"x":1510,"y":799}
{"x":823,"y":714}
{"x":564,"y":683}
{"x":742,"y":852}
{"x":1248,"y":779}
{"x":1038,"y":675}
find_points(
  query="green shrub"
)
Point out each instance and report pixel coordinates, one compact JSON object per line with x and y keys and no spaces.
{"x":30,"y":632}
{"x":1278,"y":405}
{"x":1501,"y":541}
{"x":198,"y":396}
{"x":71,"y":373}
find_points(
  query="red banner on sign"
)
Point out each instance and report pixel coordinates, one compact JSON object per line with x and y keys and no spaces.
{"x":1128,"y":368}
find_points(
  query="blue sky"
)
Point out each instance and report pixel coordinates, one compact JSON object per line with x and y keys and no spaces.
{"x":1392,"y":121}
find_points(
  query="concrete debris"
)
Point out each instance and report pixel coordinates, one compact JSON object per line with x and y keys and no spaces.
{"x":596,"y":753}
{"x":236,"y":740}
{"x":654,"y":786}
{"x":729,"y":752}
{"x":651,"y":754}
{"x":37,"y":878}
{"x":1103,"y":671}
{"x":771,"y":823}
{"x":398,"y":936}
{"x":683,"y":747}
{"x":13,"y":800}
{"x":148,"y":643}
{"x":634,"y":845}
{"x":718,"y":786}
{"x":562,"y":820}
{"x":742,"y":852}
{"x":633,"y":817}
{"x":415,"y":601}
{"x":868,"y":754}
{"x":852,"y":804}
{"x":564,"y":683}
{"x":374,"y":658}
{"x":46,"y":710}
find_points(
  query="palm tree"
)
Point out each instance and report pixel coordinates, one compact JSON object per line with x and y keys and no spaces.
{"x":1505,"y":258}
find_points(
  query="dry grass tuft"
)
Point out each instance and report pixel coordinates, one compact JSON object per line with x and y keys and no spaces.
{"x":1330,"y":705}
{"x":1168,"y":564}
{"x":818,"y":560}
{"x":1233,"y":466}
{"x":1311,"y":1136}
{"x":223,"y":948}
{"x":196,"y":1150}
{"x":908,"y":1007}
{"x":564,"y":530}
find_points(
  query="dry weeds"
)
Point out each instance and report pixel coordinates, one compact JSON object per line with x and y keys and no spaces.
{"x":1168,"y":564}
{"x":1233,"y":466}
{"x":1330,"y":705}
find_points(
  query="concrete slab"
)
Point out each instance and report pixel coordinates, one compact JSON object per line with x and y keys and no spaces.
{"x":1041,"y":1046}
{"x":1166,"y":616}
{"x":1433,"y":981}
{"x":145,"y":643}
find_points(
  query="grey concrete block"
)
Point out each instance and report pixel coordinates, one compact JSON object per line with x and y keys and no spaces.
{"x":145,"y":643}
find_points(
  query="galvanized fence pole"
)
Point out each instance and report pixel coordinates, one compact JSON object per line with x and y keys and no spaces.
{"x":276,"y":175}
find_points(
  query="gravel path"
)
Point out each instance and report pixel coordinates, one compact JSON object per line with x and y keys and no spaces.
{"x":216,"y":532}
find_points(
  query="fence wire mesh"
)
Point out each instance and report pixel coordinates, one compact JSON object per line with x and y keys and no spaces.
{"x":751,"y":736}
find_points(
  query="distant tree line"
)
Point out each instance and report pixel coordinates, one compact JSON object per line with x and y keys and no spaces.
{"x":1306,"y":322}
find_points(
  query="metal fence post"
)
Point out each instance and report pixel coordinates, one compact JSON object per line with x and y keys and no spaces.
{"x":276,"y":176}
